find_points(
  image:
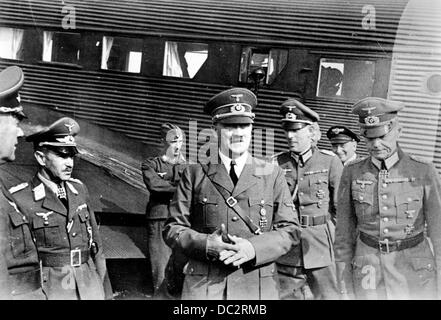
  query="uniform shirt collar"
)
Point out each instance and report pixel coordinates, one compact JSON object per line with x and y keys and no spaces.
{"x":48,"y":183}
{"x":389,"y":162}
{"x":240,"y":162}
{"x":354,"y":156}
{"x":303,"y":157}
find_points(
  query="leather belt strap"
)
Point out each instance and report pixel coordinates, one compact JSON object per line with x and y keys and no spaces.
{"x":307,"y":221}
{"x":25,"y":282}
{"x":387,"y":246}
{"x":231,"y":202}
{"x":73,"y":258}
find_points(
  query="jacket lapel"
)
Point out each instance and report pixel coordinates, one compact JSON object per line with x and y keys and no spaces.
{"x":50,"y":200}
{"x":248,"y":177}
{"x":219,"y":175}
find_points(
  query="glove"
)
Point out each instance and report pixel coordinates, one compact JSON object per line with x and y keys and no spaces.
{"x":243,"y":251}
{"x":216,"y":244}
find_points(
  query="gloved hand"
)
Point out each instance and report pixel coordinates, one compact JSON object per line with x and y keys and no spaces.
{"x":216,"y":244}
{"x":243,"y":251}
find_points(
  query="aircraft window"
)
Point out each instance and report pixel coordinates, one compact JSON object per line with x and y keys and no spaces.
{"x":61,"y":47}
{"x":11,"y":43}
{"x":121,"y":54}
{"x":344,"y":78}
{"x":183,"y":59}
{"x":270,"y":61}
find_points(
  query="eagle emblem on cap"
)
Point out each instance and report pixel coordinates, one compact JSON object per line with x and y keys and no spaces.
{"x":372,"y":120}
{"x":237,"y":108}
{"x":337,"y":130}
{"x":69,"y":126}
{"x":369,"y":109}
{"x":291,"y":116}
{"x":237,"y":97}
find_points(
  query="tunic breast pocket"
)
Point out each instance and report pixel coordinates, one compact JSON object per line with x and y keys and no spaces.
{"x":363,"y":202}
{"x":409,"y":204}
{"x":20,"y":237}
{"x":47,"y":232}
{"x":207,"y":212}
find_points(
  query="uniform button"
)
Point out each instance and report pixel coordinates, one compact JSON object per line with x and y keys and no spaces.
{"x":262,"y":201}
{"x":361,"y":197}
{"x":384,"y":185}
{"x":235,"y":218}
{"x":301,"y":179}
{"x":384,"y":196}
{"x":386,"y":230}
{"x":191,"y":270}
{"x":74,"y":234}
{"x":385,"y":208}
{"x":409,"y":199}
{"x":205,"y":199}
{"x":385,"y":219}
{"x":301,"y":193}
{"x":35,"y":240}
{"x":24,"y":218}
{"x":302,"y":207}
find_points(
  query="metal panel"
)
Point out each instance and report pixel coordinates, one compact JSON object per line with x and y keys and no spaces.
{"x":315,"y":23}
{"x":417,"y":56}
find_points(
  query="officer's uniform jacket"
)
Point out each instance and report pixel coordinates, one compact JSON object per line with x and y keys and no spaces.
{"x":197,"y":210}
{"x":160,"y":178}
{"x":317,"y":181}
{"x":58,"y":231}
{"x":19,"y":264}
{"x":392,"y":207}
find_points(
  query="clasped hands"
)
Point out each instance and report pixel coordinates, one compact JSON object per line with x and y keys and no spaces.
{"x":229,"y":249}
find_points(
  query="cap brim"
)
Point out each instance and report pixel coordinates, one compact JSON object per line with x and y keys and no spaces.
{"x":236,"y":120}
{"x":341,"y":140}
{"x":289,"y":125}
{"x":375,"y":132}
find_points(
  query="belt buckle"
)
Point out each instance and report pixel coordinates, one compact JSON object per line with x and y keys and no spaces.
{"x":302,"y":219}
{"x":75,"y":258}
{"x":231,"y":202}
{"x":384,"y":242}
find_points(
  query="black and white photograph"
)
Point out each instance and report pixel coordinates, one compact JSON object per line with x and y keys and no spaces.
{"x":239,"y":152}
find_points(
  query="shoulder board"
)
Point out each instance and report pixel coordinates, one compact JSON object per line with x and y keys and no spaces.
{"x":276,"y":155}
{"x":418,"y":159}
{"x":356,"y":161}
{"x":329,"y":153}
{"x":18,"y":187}
{"x":75,"y":180}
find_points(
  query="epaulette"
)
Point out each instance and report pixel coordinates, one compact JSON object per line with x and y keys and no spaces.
{"x":356,"y":161}
{"x":277,"y":154}
{"x":328,"y":152}
{"x":416,"y":158}
{"x":18,"y":187}
{"x":75,"y":180}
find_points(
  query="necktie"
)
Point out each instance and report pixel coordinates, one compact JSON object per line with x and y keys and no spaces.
{"x":233,"y":175}
{"x":383,"y":165}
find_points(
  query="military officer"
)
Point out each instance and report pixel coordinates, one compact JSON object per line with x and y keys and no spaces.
{"x":64,"y":225}
{"x":385,"y":201}
{"x":313,"y":176}
{"x":232,"y":217}
{"x":19,"y":266}
{"x":161,"y":175}
{"x":344,"y":143}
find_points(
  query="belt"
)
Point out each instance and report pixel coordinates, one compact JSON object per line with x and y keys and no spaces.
{"x":25,"y":282}
{"x":307,"y":221}
{"x":74,"y":258}
{"x":386,"y":246}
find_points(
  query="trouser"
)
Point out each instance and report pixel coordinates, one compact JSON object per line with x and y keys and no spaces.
{"x":159,"y":254}
{"x":298,"y":283}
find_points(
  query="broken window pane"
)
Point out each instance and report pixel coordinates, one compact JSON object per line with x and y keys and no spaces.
{"x":184,"y":59}
{"x":121,"y":54}
{"x":346,"y":78}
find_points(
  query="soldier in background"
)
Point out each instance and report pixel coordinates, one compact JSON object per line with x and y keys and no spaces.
{"x":232,"y":217}
{"x":313,"y":176}
{"x":344,"y":143}
{"x":64,"y":225}
{"x":385,"y":201}
{"x":161,"y":175}
{"x":20,"y":274}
